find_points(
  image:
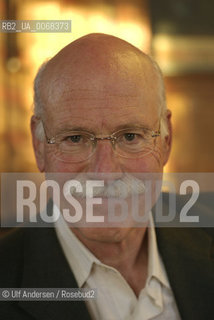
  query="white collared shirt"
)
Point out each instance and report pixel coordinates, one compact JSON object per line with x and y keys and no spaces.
{"x":115,"y":298}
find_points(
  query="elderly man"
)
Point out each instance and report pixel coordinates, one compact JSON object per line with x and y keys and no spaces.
{"x":100,"y":108}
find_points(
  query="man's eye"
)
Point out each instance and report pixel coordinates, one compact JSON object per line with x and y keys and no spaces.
{"x":130,"y":136}
{"x":75,"y":138}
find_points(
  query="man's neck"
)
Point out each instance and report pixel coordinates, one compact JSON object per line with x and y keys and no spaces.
{"x":129,"y":255}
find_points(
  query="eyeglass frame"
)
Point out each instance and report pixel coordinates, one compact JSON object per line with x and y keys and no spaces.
{"x":94,"y":139}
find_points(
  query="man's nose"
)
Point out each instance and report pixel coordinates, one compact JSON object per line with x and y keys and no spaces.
{"x":104,"y":159}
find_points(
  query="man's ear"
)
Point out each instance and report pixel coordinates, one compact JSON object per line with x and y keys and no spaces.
{"x":167,"y":140}
{"x":38,"y":145}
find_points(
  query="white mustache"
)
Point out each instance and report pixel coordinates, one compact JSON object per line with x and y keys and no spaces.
{"x":119,"y":188}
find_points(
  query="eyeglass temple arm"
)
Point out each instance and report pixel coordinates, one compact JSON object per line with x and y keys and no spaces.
{"x":155,"y":133}
{"x":48,"y":140}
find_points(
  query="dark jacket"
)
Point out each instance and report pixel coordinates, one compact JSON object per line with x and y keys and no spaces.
{"x":33,"y":258}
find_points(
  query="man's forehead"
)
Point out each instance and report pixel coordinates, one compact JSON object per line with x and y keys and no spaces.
{"x":101,"y":117}
{"x":103,"y":102}
{"x":115,"y":80}
{"x":101,"y":88}
{"x":122,"y":103}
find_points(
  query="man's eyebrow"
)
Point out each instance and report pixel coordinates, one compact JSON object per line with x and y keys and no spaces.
{"x":73,"y":128}
{"x":131,"y":125}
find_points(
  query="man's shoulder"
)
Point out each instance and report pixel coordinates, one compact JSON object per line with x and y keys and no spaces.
{"x":205,"y":199}
{"x":11,"y":253}
{"x":11,"y":243}
{"x":189,"y":210}
{"x":191,"y":241}
{"x":188,"y":256}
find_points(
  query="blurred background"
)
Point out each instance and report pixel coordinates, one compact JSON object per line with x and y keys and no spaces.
{"x":179,"y":34}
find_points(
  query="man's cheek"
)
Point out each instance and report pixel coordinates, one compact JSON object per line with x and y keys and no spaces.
{"x":150,"y":163}
{"x":157,"y":158}
{"x":52,"y":164}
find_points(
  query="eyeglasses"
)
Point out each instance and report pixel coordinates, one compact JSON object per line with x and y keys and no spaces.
{"x":76,"y":146}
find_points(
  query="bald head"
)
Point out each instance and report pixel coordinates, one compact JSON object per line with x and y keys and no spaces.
{"x":97,"y":54}
{"x":97,"y":63}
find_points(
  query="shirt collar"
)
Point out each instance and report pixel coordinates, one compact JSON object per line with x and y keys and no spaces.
{"x":81,"y":259}
{"x":155,"y":264}
{"x":78,"y":256}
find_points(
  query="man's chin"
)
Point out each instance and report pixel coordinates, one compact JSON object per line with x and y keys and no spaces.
{"x":107,"y":235}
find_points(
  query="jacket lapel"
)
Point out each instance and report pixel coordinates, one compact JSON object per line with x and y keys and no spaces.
{"x":187,"y":254}
{"x":46,"y":267}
